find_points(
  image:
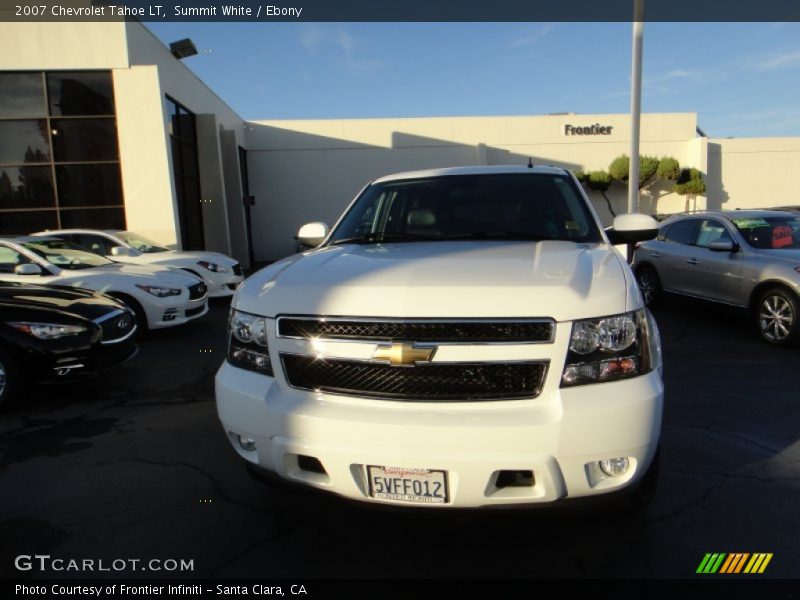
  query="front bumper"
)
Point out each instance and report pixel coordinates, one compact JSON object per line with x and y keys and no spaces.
{"x":222,"y":285}
{"x":170,"y":312}
{"x":559,"y":436}
{"x":64,"y":363}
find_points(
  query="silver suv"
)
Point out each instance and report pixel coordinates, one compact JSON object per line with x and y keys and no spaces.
{"x":747,"y":258}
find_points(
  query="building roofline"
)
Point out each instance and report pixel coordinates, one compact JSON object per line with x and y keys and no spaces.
{"x":184,"y":65}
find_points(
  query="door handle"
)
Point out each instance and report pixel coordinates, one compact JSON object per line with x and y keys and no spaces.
{"x":691,"y":261}
{"x":655,"y":255}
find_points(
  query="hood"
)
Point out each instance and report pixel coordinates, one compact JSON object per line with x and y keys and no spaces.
{"x":193,"y":257}
{"x":145,"y":274}
{"x":562,"y":280}
{"x":80,"y":303}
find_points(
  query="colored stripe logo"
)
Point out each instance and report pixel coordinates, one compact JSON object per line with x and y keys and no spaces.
{"x":734,"y":563}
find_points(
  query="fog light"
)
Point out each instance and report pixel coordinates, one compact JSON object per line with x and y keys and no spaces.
{"x":614,"y":467}
{"x":247,"y":443}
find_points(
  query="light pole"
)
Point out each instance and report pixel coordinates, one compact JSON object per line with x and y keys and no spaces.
{"x":636,"y":104}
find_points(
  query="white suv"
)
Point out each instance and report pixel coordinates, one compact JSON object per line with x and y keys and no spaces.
{"x":462,"y":337}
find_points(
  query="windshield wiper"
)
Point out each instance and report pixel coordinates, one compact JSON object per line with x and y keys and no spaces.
{"x":378,"y":237}
{"x":501,"y":235}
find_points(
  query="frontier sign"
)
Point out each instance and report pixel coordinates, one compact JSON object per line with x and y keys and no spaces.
{"x":595,"y":129}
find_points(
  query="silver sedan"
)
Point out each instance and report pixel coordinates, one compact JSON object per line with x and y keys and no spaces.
{"x":749,"y":259}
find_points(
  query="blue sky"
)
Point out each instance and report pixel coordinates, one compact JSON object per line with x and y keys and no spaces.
{"x":743,"y":79}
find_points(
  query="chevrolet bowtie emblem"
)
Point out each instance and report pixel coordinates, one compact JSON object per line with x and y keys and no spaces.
{"x":403,"y":354}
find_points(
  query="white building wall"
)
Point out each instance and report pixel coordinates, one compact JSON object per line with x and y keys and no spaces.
{"x":753,"y":173}
{"x":145,"y":154}
{"x":179,"y":82}
{"x":34,"y":46}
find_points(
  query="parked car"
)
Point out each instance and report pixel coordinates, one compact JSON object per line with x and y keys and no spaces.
{"x":158,"y":296}
{"x":463,"y":337}
{"x":221,"y":273}
{"x":790,"y":208}
{"x":749,"y":259}
{"x":49,"y":334}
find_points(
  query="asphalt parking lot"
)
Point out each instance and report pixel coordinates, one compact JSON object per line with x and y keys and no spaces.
{"x":135,"y":464}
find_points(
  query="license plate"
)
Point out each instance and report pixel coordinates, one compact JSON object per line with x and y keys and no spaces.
{"x":428,"y":486}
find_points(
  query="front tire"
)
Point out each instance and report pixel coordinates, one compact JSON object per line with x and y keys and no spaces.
{"x":650,"y":286}
{"x":777,"y":317}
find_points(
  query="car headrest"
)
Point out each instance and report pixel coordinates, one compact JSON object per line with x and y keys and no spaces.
{"x":421,"y":217}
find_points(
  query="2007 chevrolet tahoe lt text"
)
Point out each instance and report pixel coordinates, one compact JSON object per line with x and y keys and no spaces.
{"x":462,"y":337}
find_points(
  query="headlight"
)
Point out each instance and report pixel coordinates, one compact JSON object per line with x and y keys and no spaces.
{"x":611,"y":348}
{"x":212,"y":266}
{"x":247,"y":343}
{"x":48,"y":331}
{"x":161,"y":292}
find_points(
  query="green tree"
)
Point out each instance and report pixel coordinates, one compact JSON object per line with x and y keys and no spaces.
{"x":668,"y":168}
{"x":690,"y":184}
{"x":598,"y":181}
{"x":651,"y":169}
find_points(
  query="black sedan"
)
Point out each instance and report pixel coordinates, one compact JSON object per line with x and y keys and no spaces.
{"x":55,"y":334}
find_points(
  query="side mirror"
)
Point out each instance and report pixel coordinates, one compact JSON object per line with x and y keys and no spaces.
{"x":632,"y":228}
{"x":312,"y":234}
{"x":722,"y":246}
{"x":28,"y":269}
{"x":123,"y":251}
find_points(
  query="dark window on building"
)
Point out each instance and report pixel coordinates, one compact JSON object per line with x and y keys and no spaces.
{"x":183,"y":139}
{"x":67,"y":160}
{"x":22,"y":95}
{"x":24,"y":142}
{"x":19,"y":221}
{"x":89,"y":185}
{"x":78,"y":94}
{"x":26,"y":187}
{"x":84,"y":139}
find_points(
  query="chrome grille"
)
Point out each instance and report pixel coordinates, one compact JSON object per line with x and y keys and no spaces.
{"x":419,"y":330}
{"x":197,"y":291}
{"x":117,"y":327}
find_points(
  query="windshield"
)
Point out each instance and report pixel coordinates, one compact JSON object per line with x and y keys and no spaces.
{"x":141,"y":243}
{"x":66,"y":255}
{"x":505,"y":206}
{"x":770,"y":233}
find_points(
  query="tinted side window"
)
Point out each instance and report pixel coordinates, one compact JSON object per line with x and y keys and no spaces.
{"x":10,"y":258}
{"x":681,"y":232}
{"x":712,"y":230}
{"x":95,"y":243}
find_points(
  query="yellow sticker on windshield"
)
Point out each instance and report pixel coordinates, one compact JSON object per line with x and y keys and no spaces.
{"x":572,"y":225}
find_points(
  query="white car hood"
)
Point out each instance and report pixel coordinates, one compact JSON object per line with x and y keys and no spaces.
{"x":562,"y":280}
{"x":145,"y":274}
{"x":189,"y":257}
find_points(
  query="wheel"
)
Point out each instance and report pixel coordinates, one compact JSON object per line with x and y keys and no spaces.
{"x":777,"y":317}
{"x":12,"y":384}
{"x":650,"y":286}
